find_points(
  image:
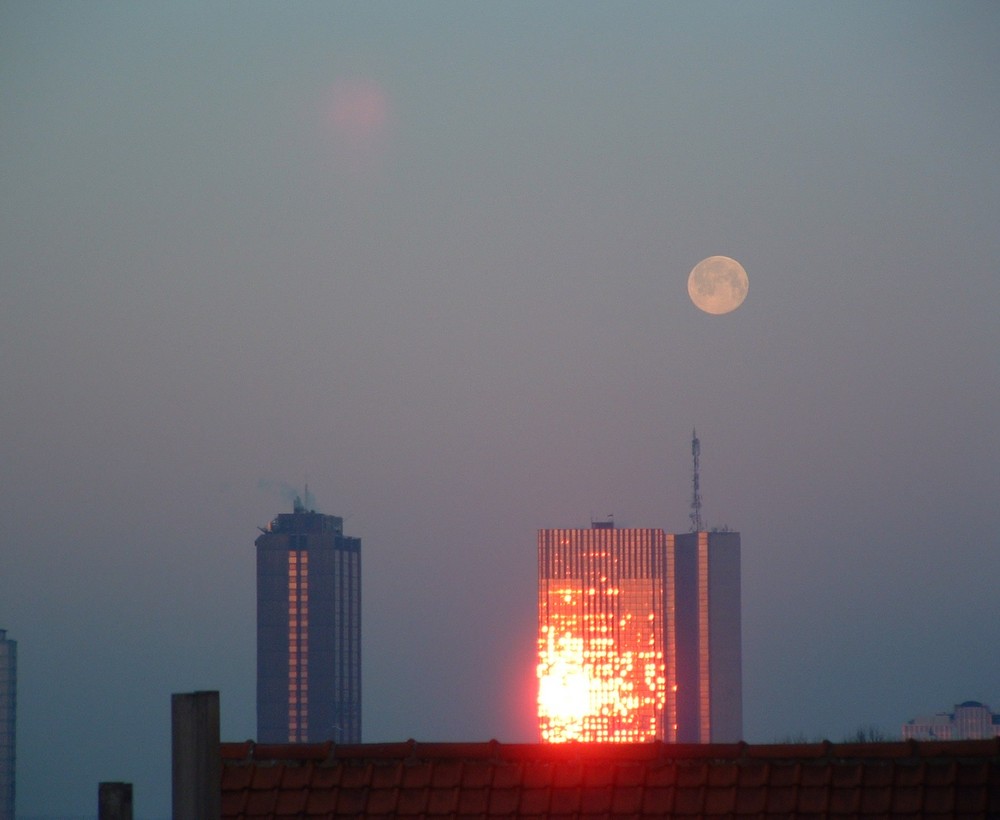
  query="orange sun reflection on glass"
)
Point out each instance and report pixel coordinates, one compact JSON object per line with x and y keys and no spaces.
{"x":565,"y":687}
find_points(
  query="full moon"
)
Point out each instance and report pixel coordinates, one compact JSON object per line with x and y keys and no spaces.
{"x":718,"y":285}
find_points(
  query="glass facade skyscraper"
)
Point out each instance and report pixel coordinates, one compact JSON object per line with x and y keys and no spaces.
{"x":8,"y":724}
{"x":308,"y":630}
{"x":601,"y":649}
{"x":638,"y":635}
{"x":707,"y":636}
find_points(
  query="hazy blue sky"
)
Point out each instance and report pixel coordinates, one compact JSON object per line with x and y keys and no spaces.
{"x":432,"y":259}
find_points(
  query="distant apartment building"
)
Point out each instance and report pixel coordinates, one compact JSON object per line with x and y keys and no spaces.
{"x":308,"y":630}
{"x":8,"y":714}
{"x":970,"y":721}
{"x":639,"y":635}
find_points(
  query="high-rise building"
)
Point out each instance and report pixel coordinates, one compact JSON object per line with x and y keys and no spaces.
{"x":639,"y":635}
{"x":308,"y":630}
{"x":8,"y":725}
{"x":708,"y":636}
{"x":602,"y":636}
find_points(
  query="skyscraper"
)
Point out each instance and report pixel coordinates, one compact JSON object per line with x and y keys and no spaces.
{"x":308,"y":630}
{"x":707,"y":634}
{"x":8,"y":725}
{"x":602,"y":638}
{"x":639,"y":635}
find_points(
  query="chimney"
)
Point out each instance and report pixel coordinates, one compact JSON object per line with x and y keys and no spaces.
{"x":197,"y":767}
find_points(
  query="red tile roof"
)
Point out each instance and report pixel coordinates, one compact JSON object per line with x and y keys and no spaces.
{"x":910,"y":779}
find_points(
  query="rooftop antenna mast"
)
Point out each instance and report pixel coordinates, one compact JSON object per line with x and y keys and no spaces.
{"x":696,"y":522}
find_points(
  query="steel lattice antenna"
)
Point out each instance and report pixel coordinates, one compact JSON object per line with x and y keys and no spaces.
{"x":696,"y":523}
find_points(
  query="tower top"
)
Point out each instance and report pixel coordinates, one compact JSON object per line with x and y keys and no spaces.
{"x":696,"y":522}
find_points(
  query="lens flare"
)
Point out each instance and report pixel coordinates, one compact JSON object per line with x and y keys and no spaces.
{"x":359,"y":119}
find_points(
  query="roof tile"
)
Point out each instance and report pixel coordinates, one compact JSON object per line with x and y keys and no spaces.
{"x":626,"y":800}
{"x":940,"y":773}
{"x":907,"y":800}
{"x":267,"y":778}
{"x":973,"y":774}
{"x":442,"y":801}
{"x":844,"y":801}
{"x":351,"y":800}
{"x":538,"y":775}
{"x":845,"y":775}
{"x":416,"y":775}
{"x":261,"y":802}
{"x":689,"y":800}
{"x":599,"y":773}
{"x":382,"y":800}
{"x":236,"y":751}
{"x":782,"y":799}
{"x":236,"y":778}
{"x":720,"y":800}
{"x":413,"y":800}
{"x":726,"y":773}
{"x":938,"y":800}
{"x":596,"y":799}
{"x":695,"y":774}
{"x":909,"y":774}
{"x":320,"y":802}
{"x":447,"y":774}
{"x":630,"y":774}
{"x":326,"y":777}
{"x":878,"y":774}
{"x":754,"y":774}
{"x":506,"y":776}
{"x":477,"y":775}
{"x":354,"y":776}
{"x":658,"y":800}
{"x":384,"y":775}
{"x":971,"y":800}
{"x":814,"y":774}
{"x":876,"y":800}
{"x":290,"y":802}
{"x":568,"y":774}
{"x":297,"y":777}
{"x":751,"y":799}
{"x":565,"y":800}
{"x":664,"y":774}
{"x":319,"y":781}
{"x":535,"y":800}
{"x":473,"y":801}
{"x":812,"y":800}
{"x":233,"y":802}
{"x":504,"y":801}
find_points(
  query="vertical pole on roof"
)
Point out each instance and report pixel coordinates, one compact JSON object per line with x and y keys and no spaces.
{"x":114,"y":801}
{"x":197,"y":766}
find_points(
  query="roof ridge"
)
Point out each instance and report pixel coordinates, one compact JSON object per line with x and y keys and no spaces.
{"x":411,"y":749}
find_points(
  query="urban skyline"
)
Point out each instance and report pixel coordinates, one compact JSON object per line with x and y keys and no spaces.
{"x":434,"y":260}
